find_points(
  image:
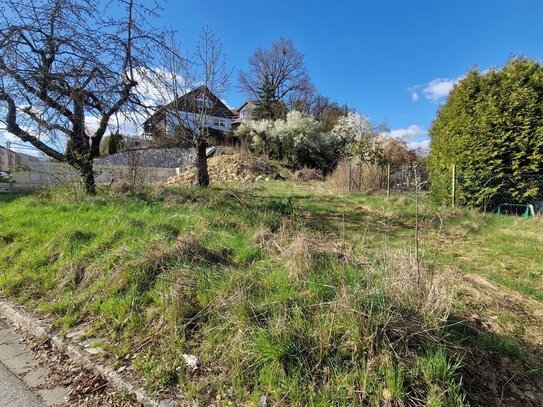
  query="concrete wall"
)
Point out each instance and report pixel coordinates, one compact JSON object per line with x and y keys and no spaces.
{"x":45,"y":173}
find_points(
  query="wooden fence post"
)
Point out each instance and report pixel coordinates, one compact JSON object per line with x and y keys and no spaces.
{"x":388,"y":181}
{"x":453,"y":192}
{"x":350,"y":174}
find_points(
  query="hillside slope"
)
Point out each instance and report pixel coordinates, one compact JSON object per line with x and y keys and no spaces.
{"x":287,"y":292}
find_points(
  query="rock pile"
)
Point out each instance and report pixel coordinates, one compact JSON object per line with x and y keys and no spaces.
{"x":231,"y":167}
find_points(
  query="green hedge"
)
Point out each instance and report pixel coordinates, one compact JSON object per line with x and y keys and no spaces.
{"x":491,"y":127}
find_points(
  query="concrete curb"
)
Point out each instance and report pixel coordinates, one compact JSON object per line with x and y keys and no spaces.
{"x":21,"y":318}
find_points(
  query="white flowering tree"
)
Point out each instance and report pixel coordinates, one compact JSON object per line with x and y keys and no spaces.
{"x":358,"y":137}
{"x":298,"y":139}
{"x":259,"y":132}
{"x":351,"y":128}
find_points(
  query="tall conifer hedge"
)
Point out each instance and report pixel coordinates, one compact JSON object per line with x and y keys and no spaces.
{"x":491,"y":127}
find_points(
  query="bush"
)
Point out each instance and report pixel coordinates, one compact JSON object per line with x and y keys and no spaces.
{"x":299,"y":140}
{"x":5,"y":177}
{"x":491,"y":127}
{"x":112,"y":144}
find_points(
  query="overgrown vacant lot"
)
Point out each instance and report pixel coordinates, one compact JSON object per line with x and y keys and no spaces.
{"x":288,"y":291}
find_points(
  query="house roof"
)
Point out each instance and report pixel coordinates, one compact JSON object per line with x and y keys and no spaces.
{"x":245,"y":104}
{"x":6,"y":149}
{"x":187,"y":103}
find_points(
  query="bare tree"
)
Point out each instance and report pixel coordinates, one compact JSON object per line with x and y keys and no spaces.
{"x":65,"y":64}
{"x":276,"y":75}
{"x":194,"y":85}
{"x":327,"y":112}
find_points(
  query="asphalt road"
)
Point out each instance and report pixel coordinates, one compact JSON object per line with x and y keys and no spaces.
{"x":14,"y":393}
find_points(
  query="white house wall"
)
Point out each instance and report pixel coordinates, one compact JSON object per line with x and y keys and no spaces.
{"x":191,"y":120}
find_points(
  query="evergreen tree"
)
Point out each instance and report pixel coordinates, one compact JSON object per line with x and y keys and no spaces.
{"x":114,"y":143}
{"x":491,"y":127}
{"x":269,"y":108}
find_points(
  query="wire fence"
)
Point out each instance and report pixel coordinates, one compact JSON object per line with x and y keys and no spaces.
{"x":367,"y":178}
{"x":511,"y":192}
{"x":23,"y":167}
{"x":507,"y":191}
{"x":516,"y":192}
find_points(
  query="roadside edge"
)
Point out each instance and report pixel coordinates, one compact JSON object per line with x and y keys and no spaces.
{"x":18,"y":316}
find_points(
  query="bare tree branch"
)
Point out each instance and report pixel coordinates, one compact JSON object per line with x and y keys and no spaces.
{"x":195,"y":85}
{"x":63,"y":61}
{"x":13,"y":127}
{"x":276,"y":75}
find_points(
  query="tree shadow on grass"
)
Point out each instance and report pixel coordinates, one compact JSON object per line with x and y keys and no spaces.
{"x":496,"y":369}
{"x":8,"y":197}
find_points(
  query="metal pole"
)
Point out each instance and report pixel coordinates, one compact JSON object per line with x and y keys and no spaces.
{"x":453,"y":193}
{"x":8,"y":146}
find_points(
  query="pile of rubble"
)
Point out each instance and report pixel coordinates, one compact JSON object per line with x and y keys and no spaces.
{"x":229,"y":167}
{"x":308,"y":174}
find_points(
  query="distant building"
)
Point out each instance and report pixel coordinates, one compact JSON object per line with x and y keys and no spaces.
{"x":12,"y":161}
{"x":135,"y":142}
{"x":192,"y":107}
{"x":244,"y":113}
{"x":8,"y":159}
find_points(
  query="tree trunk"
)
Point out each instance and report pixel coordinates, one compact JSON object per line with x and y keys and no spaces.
{"x":201,"y":165}
{"x":87,"y":177}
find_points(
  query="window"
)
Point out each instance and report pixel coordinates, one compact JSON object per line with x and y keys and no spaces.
{"x":202,"y":101}
{"x":219,"y":122}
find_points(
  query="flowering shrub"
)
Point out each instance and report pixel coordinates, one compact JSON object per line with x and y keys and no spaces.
{"x":298,"y":139}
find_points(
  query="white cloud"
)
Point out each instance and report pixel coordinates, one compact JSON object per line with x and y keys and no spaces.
{"x":408,"y":132}
{"x":435,"y":90}
{"x":423,"y":145}
{"x":415,"y":136}
{"x":438,"y":89}
{"x":5,"y":136}
{"x":155,"y":88}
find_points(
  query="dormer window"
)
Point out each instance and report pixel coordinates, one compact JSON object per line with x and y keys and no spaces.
{"x":202,"y":101}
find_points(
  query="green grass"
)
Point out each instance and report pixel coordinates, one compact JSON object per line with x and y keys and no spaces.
{"x":281,"y":290}
{"x":508,"y":250}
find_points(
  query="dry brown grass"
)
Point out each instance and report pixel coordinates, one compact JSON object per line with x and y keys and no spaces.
{"x":413,"y":283}
{"x":365,"y":178}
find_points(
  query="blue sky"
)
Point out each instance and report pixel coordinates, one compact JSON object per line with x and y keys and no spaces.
{"x":392,"y":60}
{"x":374,"y":55}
